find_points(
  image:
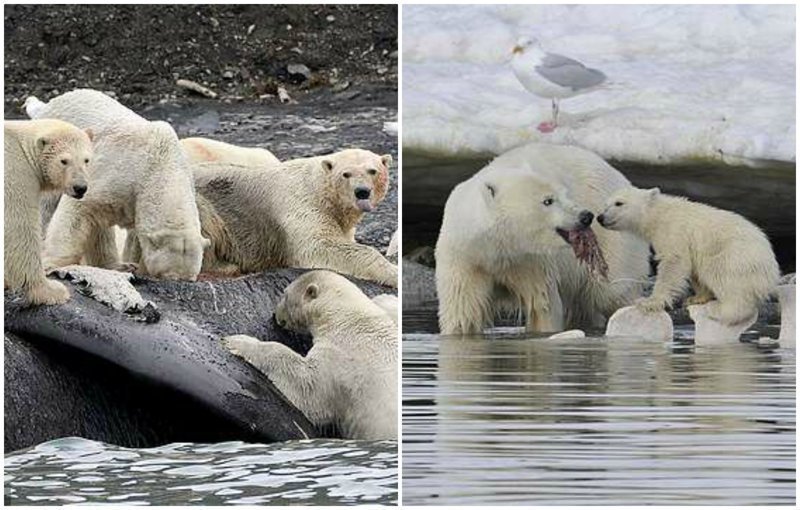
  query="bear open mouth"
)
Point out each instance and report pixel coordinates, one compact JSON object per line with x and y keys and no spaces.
{"x":364,"y":204}
{"x":587,"y":250}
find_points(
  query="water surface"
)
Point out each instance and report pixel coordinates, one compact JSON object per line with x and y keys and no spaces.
{"x":312,"y":472}
{"x":512,"y":419}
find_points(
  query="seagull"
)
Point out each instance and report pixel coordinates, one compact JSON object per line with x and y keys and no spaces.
{"x":551,"y":75}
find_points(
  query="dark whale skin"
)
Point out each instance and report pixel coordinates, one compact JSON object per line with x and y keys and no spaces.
{"x":174,"y":374}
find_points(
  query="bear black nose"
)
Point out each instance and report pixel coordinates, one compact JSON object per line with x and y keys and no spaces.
{"x":79,"y":190}
{"x":362,"y":193}
{"x":601,"y":219}
{"x":586,"y":218}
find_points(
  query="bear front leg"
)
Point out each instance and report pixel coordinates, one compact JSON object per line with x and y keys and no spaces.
{"x":67,"y":234}
{"x":464,"y":298}
{"x":673,"y":272}
{"x":547,"y":310}
{"x":298,"y":378}
{"x":23,"y":269}
{"x":102,"y":251}
{"x":352,"y":259}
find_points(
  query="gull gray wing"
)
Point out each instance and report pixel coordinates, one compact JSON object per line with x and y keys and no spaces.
{"x":569,"y":73}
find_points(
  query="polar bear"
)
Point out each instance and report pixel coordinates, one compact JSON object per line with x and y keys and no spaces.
{"x":39,"y":156}
{"x":301,"y":213}
{"x":201,"y":150}
{"x":505,"y":242}
{"x":349,"y":377}
{"x":725,"y":257}
{"x":142,"y":180}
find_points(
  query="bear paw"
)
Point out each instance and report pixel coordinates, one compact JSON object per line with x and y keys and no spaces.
{"x":241,"y":345}
{"x":698,"y":300}
{"x":650,"y":305}
{"x":48,"y":292}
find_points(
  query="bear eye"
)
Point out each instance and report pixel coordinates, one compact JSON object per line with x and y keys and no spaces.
{"x":346,"y":175}
{"x":548,"y":201}
{"x":372,"y":171}
{"x":64,"y":161}
{"x":86,"y":161}
{"x":618,"y":203}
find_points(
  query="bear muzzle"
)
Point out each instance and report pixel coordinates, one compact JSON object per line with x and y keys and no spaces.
{"x":362,"y":195}
{"x":78,"y":191}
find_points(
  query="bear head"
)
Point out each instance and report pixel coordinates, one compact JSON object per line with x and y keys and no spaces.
{"x":65,"y":154}
{"x":173,"y":254}
{"x":538,"y":214}
{"x":308,"y":298}
{"x":358,"y":177}
{"x":626,"y":208}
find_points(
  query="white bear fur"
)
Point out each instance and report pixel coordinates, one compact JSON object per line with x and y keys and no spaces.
{"x":726,"y":258}
{"x":40,"y":156}
{"x":301,"y":213}
{"x":349,"y":377}
{"x":498,"y":239}
{"x":142,"y":181}
{"x":204,"y":150}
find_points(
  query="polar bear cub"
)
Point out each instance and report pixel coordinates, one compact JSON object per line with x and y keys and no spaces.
{"x":39,"y":156}
{"x":725,"y":257}
{"x":203,"y":150}
{"x":349,"y":377}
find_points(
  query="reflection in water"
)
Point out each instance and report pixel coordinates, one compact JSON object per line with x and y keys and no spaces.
{"x":312,"y":472}
{"x":596,"y":421}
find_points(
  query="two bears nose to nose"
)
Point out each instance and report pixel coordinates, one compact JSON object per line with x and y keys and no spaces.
{"x":362,"y":193}
{"x":585,"y":217}
{"x":79,"y":190}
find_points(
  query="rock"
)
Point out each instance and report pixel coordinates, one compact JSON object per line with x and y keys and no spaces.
{"x":298,"y":72}
{"x":629,"y":321}
{"x":299,"y":69}
{"x":330,"y":18}
{"x":340,"y":86}
{"x":196,"y":87}
{"x":571,"y":333}
{"x":707,"y":331}
{"x":390,"y":127}
{"x":250,"y":29}
{"x":228,"y":75}
{"x":786,"y":295}
{"x":284,"y":96}
{"x":419,"y":285}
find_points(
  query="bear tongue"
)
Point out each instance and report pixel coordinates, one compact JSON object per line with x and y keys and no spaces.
{"x":364,"y":204}
{"x":584,"y":245}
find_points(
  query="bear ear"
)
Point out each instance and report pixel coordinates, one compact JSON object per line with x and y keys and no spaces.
{"x":89,"y":133}
{"x":489,"y":191}
{"x":386,"y":159}
{"x":653,"y":192}
{"x":205,"y":242}
{"x":312,"y":291}
{"x":327,"y":164}
{"x":42,"y":142}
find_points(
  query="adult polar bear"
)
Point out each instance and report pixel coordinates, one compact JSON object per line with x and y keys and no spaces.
{"x":141,"y":180}
{"x":499,"y":237}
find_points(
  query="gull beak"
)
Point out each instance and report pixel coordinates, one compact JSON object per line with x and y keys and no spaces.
{"x":516,"y":49}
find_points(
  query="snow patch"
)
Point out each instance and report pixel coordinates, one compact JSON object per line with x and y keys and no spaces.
{"x":708,"y":82}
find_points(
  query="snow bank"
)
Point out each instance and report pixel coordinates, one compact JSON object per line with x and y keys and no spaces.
{"x":687,"y":82}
